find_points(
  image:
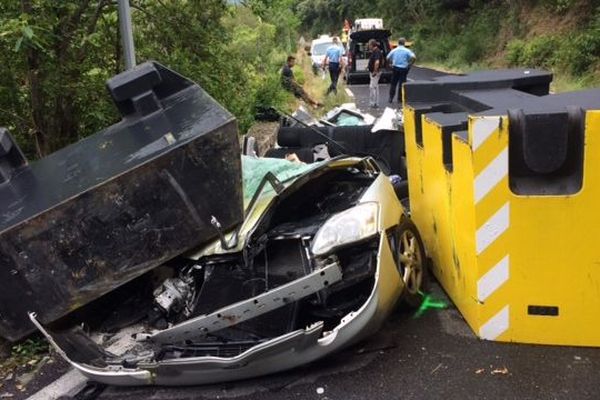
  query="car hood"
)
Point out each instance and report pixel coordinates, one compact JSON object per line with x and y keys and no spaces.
{"x":317,"y":59}
{"x":265,"y":199}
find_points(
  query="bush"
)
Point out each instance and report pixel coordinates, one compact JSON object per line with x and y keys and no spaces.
{"x":584,"y":53}
{"x":270,"y":93}
{"x":473,"y":48}
{"x":540,"y":52}
{"x":577,"y":54}
{"x":559,"y":6}
{"x":515,"y":52}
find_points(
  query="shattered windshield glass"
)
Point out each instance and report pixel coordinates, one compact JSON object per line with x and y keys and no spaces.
{"x":254,"y":170}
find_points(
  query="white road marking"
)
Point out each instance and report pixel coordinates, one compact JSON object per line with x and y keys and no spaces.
{"x":496,"y":325}
{"x":493,"y":228}
{"x":493,"y":279}
{"x":482,"y":129}
{"x":73,"y":381}
{"x":67,"y":385}
{"x":491,"y":175}
{"x":349,"y":92}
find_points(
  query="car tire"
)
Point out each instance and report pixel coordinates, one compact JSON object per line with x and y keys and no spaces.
{"x":411,"y":261}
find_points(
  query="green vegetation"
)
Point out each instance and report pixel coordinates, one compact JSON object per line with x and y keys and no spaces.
{"x":559,"y":35}
{"x":30,"y":349}
{"x":56,"y":56}
{"x":316,"y":86}
{"x":25,"y":354}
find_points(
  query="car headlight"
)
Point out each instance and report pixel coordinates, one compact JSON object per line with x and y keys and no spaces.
{"x":349,"y":226}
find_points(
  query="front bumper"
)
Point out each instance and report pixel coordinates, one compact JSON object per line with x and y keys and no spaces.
{"x":278,"y":354}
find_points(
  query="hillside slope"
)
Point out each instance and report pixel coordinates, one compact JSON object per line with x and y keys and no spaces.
{"x":560,"y":35}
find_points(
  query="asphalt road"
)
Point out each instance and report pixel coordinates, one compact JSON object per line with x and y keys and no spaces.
{"x":431,"y":356}
{"x":361,"y":92}
{"x":428,"y":355}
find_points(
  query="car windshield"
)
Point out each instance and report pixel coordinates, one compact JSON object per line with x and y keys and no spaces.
{"x":254,"y":170}
{"x":321,"y":48}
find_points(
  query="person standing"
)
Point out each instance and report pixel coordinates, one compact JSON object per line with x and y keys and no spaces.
{"x":374,"y":67}
{"x":401,"y":59}
{"x":333,"y":59}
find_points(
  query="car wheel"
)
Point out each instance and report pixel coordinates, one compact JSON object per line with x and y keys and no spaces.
{"x":411,"y":262}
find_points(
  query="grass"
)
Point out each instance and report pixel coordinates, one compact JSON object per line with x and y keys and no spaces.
{"x":567,"y":83}
{"x":562,"y":82}
{"x":26,"y":353}
{"x":316,"y":86}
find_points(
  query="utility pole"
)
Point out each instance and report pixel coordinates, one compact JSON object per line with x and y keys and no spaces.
{"x":126,"y":30}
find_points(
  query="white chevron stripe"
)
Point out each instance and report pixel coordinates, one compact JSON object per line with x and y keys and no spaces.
{"x":496,"y":325}
{"x":494,"y":227}
{"x":493,"y":279}
{"x":491,"y":175}
{"x":483,"y":129}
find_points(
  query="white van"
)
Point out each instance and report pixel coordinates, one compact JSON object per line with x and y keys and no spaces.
{"x":318,"y":48}
{"x":364,"y":24}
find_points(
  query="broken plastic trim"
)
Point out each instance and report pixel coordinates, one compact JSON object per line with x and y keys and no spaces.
{"x":268,"y":178}
{"x":233,"y":242}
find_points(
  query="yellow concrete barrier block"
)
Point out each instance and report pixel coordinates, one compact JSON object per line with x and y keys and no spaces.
{"x":506,"y":202}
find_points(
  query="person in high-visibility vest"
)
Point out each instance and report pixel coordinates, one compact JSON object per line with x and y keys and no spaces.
{"x":344,"y":38}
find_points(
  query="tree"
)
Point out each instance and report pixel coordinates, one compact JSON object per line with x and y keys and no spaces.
{"x":57,"y":55}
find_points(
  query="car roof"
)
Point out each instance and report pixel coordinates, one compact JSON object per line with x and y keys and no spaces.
{"x":327,"y":39}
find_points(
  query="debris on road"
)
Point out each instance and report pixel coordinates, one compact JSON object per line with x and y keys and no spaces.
{"x":348,"y":115}
{"x":499,"y":371}
{"x":311,"y":141}
{"x":436,"y":368}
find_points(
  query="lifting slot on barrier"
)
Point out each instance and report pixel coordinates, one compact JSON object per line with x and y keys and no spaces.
{"x":546,"y":152}
{"x":547,"y":311}
{"x":444,"y":108}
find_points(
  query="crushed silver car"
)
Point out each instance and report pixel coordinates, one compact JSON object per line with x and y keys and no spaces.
{"x":322,"y":258}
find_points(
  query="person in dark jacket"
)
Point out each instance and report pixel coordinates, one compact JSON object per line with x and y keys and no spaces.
{"x":289,"y":83}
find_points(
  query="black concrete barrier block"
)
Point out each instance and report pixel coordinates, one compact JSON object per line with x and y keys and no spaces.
{"x":94,"y":215}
